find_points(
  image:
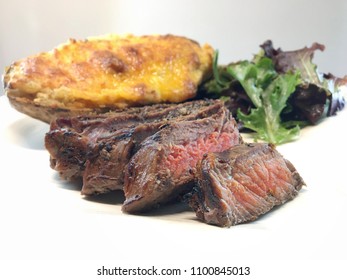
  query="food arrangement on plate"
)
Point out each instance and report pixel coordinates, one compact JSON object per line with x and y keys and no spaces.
{"x":157,"y":117}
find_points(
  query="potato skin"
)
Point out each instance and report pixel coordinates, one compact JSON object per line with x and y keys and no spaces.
{"x":49,"y":113}
{"x":107,"y":72}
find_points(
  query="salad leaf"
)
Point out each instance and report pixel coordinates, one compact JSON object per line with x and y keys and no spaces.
{"x":307,"y":104}
{"x":277,"y":92}
{"x":318,"y":95}
{"x":300,"y":60}
{"x":269,"y":93}
{"x":223,"y":85}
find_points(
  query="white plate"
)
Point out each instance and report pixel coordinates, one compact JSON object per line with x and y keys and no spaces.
{"x":44,"y":217}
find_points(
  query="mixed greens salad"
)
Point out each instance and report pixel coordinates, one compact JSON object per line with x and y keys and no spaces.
{"x":276,"y":93}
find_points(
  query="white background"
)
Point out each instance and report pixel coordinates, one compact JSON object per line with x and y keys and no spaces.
{"x":236,"y":28}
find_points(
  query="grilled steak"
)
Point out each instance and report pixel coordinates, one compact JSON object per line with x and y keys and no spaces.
{"x":105,"y":171}
{"x":97,"y":148}
{"x":71,"y":141}
{"x":162,"y":167}
{"x":242,"y":183}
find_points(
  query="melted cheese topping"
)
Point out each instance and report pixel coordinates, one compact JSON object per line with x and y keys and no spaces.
{"x":112,"y":71}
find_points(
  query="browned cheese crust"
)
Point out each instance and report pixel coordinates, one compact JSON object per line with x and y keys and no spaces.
{"x":103,"y":73}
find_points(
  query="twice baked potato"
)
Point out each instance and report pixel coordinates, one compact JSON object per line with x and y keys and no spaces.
{"x":105,"y":73}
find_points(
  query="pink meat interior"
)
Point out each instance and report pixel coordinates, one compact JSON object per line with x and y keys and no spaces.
{"x":182,"y":158}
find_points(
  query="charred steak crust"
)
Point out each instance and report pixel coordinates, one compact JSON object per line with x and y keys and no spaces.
{"x":105,"y":172}
{"x":242,"y":183}
{"x":98,"y":147}
{"x":71,"y":138}
{"x":163,"y":166}
{"x":160,"y":152}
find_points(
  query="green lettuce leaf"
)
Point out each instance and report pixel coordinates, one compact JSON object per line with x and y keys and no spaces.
{"x":269,"y":93}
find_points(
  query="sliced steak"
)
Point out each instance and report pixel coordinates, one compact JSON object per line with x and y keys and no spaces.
{"x":242,"y":183}
{"x":105,"y":171}
{"x":68,"y":152}
{"x":98,"y":147}
{"x":162,"y":167}
{"x":71,"y":140}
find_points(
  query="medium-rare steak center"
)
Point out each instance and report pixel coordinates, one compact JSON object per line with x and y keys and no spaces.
{"x":163,"y":166}
{"x":97,"y":148}
{"x":242,"y":183}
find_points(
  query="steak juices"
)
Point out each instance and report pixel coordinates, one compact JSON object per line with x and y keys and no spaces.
{"x":159,"y":153}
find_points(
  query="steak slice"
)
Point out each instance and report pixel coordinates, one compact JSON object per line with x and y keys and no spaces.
{"x":96,"y":147}
{"x":105,"y":171}
{"x":162,"y":168}
{"x":70,"y":140}
{"x":242,"y":183}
